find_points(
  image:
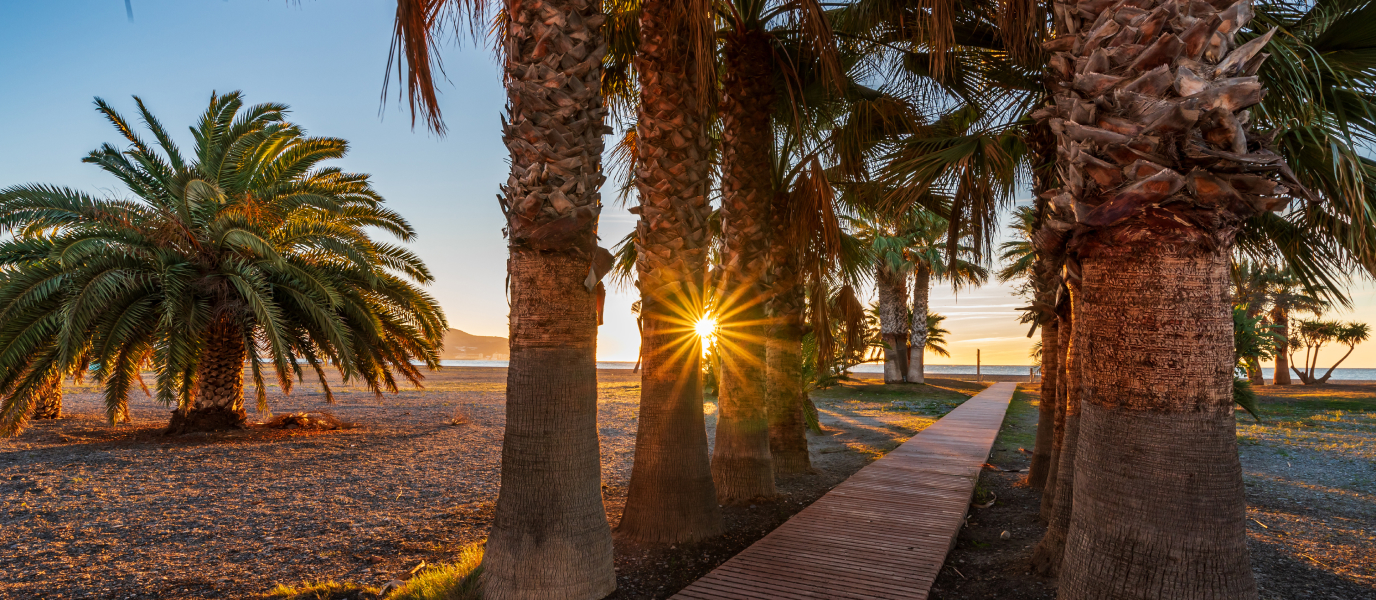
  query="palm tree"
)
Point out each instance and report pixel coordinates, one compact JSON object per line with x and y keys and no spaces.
{"x":671,"y":498}
{"x":246,"y":249}
{"x":928,"y":260}
{"x":1314,"y":335}
{"x":1287,"y":296}
{"x":550,"y":537}
{"x":750,"y":44}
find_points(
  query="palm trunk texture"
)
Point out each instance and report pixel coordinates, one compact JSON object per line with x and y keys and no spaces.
{"x":1281,"y":375}
{"x":1046,"y":558}
{"x":550,"y":538}
{"x":893,"y":321}
{"x":671,"y":498}
{"x":1046,"y":409}
{"x":917,"y":337}
{"x":1065,"y":331}
{"x":1158,"y":172}
{"x":787,"y":395}
{"x":48,"y":404}
{"x":742,"y":466}
{"x":218,"y":403}
{"x":784,"y":348}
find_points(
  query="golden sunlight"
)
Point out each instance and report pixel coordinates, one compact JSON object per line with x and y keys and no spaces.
{"x":706,"y":328}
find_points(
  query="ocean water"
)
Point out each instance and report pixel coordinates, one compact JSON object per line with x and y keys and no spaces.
{"x":1346,"y":374}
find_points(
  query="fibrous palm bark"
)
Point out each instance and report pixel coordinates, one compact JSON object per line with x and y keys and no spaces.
{"x":671,"y":497}
{"x":1046,"y":409}
{"x":550,"y":538}
{"x":1046,"y":558}
{"x":784,"y":355}
{"x":742,"y":466}
{"x":1158,"y":172}
{"x":1065,"y":329}
{"x":892,"y":286}
{"x":917,"y":335}
{"x":1280,"y":319}
{"x":48,"y":403}
{"x":219,"y":398}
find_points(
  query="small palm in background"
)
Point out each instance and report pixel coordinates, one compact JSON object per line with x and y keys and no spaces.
{"x":246,"y":249}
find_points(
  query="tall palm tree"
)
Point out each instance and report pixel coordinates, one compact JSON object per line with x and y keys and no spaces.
{"x":1288,"y":296}
{"x":1158,"y":176}
{"x":750,"y":46}
{"x":550,"y":537}
{"x":671,"y":498}
{"x":246,"y":249}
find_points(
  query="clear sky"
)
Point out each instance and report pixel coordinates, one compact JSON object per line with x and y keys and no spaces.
{"x":326,"y":59}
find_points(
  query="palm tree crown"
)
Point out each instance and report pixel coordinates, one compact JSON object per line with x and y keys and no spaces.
{"x":247,"y":248}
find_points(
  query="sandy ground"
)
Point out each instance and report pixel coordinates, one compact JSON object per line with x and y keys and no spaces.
{"x":91,"y":511}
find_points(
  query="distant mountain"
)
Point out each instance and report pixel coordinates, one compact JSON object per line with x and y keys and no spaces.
{"x":459,"y":345}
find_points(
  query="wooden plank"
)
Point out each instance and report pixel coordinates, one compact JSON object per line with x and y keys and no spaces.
{"x":884,"y":532}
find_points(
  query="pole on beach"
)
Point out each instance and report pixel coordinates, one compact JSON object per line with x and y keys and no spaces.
{"x":978,"y":375}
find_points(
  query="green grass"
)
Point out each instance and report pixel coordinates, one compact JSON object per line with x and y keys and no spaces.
{"x":1020,"y":422}
{"x":452,"y":581}
{"x":323,"y":590}
{"x":1338,"y":420}
{"x":447,"y":581}
{"x":934,"y":398}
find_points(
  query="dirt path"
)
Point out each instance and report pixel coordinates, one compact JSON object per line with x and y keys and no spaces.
{"x":90,"y":511}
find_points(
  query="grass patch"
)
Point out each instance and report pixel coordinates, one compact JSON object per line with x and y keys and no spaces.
{"x":1337,"y":420}
{"x":934,"y":398}
{"x":450,"y":581}
{"x":323,"y":590}
{"x":1019,"y":428}
{"x":447,"y":581}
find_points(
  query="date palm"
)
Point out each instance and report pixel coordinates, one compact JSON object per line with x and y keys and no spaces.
{"x":550,"y":537}
{"x":248,"y":249}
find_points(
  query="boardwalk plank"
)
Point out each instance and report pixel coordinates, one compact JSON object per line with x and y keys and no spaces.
{"x":884,"y":532}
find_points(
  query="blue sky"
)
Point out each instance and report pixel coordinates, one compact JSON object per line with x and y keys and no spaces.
{"x":326,"y":58}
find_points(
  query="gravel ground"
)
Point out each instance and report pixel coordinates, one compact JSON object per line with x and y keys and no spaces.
{"x":90,"y":511}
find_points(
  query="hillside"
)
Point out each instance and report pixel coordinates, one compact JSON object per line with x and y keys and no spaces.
{"x":464,"y":345}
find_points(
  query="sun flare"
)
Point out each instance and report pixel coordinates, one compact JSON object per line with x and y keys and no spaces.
{"x":706,"y":327}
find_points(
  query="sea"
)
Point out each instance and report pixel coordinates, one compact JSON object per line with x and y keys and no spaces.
{"x":1344,"y":374}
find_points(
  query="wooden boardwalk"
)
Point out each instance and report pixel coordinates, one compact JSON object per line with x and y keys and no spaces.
{"x":883,"y":533}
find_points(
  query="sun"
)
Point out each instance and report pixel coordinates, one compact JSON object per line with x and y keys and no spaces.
{"x":706,"y":327}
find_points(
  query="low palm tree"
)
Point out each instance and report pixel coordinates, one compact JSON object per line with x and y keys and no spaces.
{"x":247,"y":249}
{"x":1314,"y":335}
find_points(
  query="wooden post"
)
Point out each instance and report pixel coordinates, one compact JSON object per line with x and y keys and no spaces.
{"x":978,"y":375}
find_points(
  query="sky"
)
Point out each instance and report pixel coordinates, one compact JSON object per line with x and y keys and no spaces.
{"x":326,"y":59}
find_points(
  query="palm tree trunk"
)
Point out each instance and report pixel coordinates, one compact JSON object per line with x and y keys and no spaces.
{"x":1159,"y":509}
{"x":48,"y":404}
{"x":550,"y":538}
{"x":1254,"y":372}
{"x":742,"y":466}
{"x":893,"y":321}
{"x":1329,"y":373}
{"x":917,"y":340}
{"x":1064,"y":334}
{"x":787,"y":396}
{"x":1046,"y":558}
{"x":218,"y":403}
{"x":1281,"y":318}
{"x":1158,"y":173}
{"x":671,"y":498}
{"x":1046,"y":409}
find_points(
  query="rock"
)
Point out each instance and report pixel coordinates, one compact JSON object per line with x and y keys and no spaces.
{"x":373,"y":560}
{"x":1005,"y":535}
